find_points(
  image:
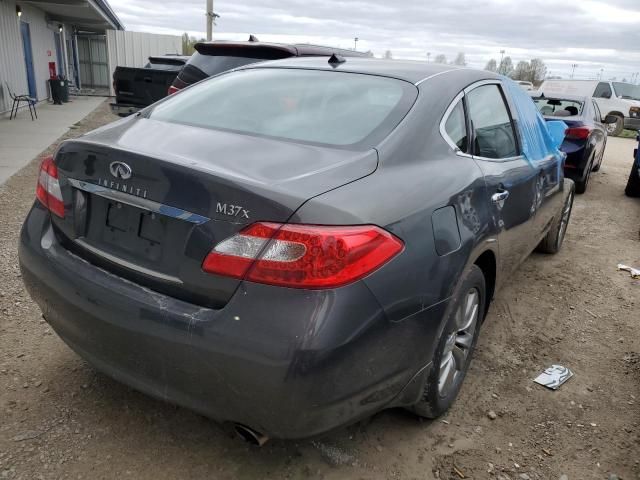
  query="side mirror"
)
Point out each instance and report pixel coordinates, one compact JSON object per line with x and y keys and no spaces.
{"x":610,"y":119}
{"x":605,"y":95}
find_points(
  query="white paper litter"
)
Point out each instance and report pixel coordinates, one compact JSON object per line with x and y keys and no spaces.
{"x":635,"y":273}
{"x":554,"y":376}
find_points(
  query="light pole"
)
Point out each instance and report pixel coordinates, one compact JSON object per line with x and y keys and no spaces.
{"x":573,"y":69}
{"x":355,"y":43}
{"x":502,"y":52}
{"x":601,"y":72}
{"x":428,"y":56}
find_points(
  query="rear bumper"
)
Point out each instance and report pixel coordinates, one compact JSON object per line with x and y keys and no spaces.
{"x":286,"y":362}
{"x":124,"y":110}
{"x":575,"y":166}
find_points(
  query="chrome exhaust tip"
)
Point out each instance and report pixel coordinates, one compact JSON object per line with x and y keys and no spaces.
{"x":250,"y":435}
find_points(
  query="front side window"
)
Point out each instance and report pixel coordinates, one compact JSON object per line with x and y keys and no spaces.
{"x":603,"y":90}
{"x":316,"y":106}
{"x":456,"y":128}
{"x":494,"y":136}
{"x":627,"y":90}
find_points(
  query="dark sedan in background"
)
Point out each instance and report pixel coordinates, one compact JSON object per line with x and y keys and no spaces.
{"x":295,"y":245}
{"x":586,"y":137}
{"x":213,"y":58}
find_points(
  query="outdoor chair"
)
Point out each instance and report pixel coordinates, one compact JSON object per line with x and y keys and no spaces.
{"x":17,"y":100}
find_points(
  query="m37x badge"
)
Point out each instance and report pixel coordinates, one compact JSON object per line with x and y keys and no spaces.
{"x":232,"y":210}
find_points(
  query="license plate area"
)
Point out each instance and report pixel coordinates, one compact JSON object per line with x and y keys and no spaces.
{"x":134,"y":230}
{"x":136,"y":235}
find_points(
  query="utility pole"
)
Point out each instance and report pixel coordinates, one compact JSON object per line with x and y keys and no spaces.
{"x":209,"y":20}
{"x":573,"y":69}
{"x":428,"y":56}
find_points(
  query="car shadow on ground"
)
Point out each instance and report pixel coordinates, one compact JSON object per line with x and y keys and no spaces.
{"x":96,"y":399}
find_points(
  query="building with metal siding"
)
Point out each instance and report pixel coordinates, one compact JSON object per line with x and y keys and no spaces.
{"x":36,"y":33}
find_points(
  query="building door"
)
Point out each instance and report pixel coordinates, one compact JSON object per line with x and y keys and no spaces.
{"x":28,"y":59}
{"x":92,"y":53}
{"x":59,"y":53}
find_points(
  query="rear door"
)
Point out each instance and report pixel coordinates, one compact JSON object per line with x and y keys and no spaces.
{"x":513,"y":184}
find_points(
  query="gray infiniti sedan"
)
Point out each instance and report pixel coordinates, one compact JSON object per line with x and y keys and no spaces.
{"x":295,"y":245}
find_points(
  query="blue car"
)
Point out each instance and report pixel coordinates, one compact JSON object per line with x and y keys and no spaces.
{"x":633,"y":184}
{"x":586,"y":135}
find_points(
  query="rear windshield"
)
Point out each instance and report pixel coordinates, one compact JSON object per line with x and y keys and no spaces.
{"x":557,"y":107}
{"x":316,"y":106}
{"x":214,"y":64}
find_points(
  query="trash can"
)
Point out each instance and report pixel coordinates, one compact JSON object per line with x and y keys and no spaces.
{"x":56,"y":90}
{"x":64,"y":88}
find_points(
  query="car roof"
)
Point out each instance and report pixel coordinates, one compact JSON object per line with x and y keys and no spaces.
{"x":411,"y":71}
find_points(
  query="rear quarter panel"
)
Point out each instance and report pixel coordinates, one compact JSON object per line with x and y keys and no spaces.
{"x":418,"y":173}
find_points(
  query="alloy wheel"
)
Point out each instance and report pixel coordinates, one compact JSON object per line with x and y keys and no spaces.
{"x":564,"y":221}
{"x":459,"y":342}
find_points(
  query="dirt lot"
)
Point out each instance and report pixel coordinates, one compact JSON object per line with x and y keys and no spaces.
{"x":59,"y":418}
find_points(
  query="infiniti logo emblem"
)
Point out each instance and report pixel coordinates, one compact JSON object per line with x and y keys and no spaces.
{"x":120,"y":170}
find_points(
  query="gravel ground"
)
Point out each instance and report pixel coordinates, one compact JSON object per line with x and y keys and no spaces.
{"x":59,"y":418}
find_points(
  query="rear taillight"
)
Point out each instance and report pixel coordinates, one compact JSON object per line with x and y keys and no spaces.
{"x":48,"y":189}
{"x":172,"y":90}
{"x":578,"y":133}
{"x":303,"y":256}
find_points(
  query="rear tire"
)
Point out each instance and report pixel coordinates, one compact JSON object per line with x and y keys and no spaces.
{"x":633,"y":184}
{"x":455,"y":348}
{"x":615,"y":129}
{"x":552,"y":242}
{"x":597,"y":166}
{"x":581,"y":185}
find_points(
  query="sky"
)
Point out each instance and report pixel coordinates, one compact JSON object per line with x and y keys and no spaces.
{"x":593,"y":34}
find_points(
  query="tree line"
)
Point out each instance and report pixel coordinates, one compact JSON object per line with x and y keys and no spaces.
{"x":533,"y":71}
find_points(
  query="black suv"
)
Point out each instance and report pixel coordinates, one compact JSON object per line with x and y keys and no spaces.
{"x":212,"y":58}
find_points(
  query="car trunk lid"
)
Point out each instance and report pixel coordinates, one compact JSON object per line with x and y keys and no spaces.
{"x":148,"y":200}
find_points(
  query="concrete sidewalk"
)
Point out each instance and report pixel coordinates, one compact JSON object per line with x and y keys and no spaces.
{"x":22,"y":139}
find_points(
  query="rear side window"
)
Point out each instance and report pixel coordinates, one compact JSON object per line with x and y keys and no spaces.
{"x":493,"y":131}
{"x":456,"y":127}
{"x":334,"y":108}
{"x":603,"y":90}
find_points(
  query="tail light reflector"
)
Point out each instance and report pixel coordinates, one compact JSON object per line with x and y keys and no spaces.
{"x":48,"y":189}
{"x":172,"y":90}
{"x":303,"y":256}
{"x":578,"y":133}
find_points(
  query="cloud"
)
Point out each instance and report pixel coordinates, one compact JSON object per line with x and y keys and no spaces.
{"x":592,"y":33}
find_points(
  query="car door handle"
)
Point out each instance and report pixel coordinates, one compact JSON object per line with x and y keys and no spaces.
{"x":500,"y":196}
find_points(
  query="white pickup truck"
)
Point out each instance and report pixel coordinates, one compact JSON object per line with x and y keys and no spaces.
{"x":613,"y":98}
